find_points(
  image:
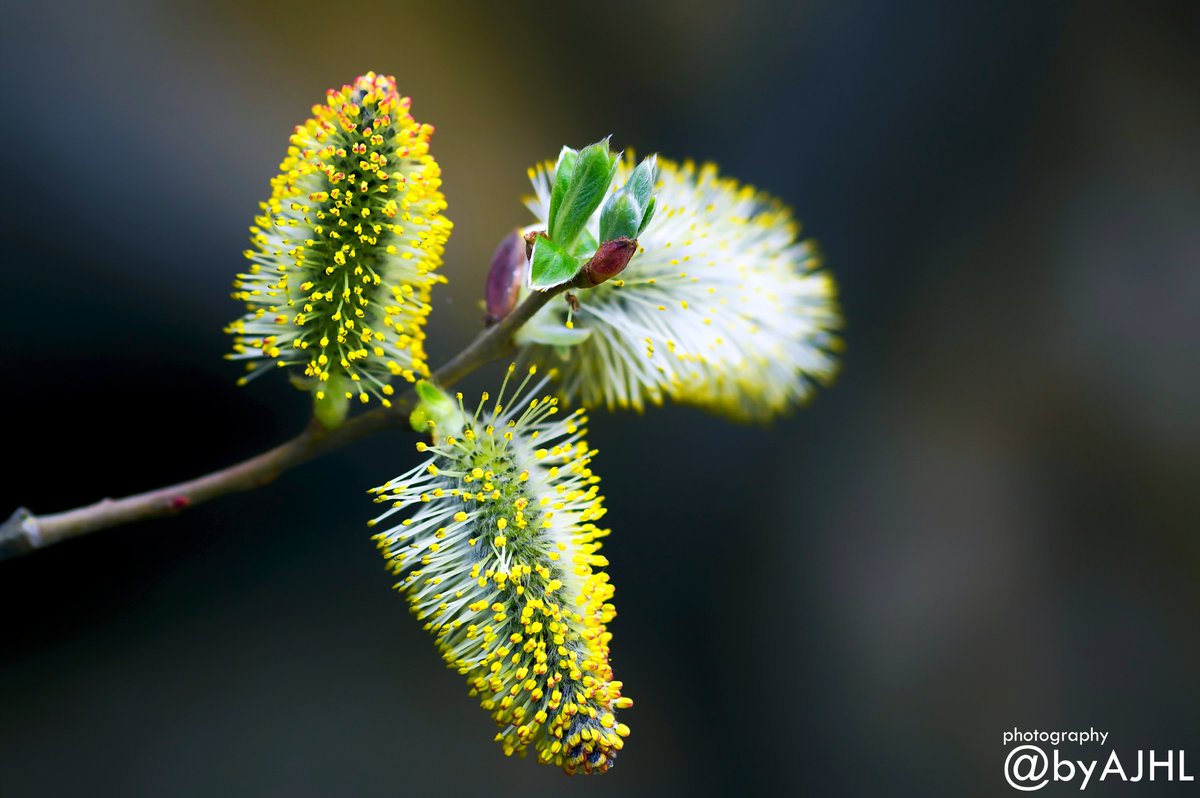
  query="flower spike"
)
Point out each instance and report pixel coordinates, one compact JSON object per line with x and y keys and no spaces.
{"x":344,"y":254}
{"x":721,"y":306}
{"x":497,"y":552}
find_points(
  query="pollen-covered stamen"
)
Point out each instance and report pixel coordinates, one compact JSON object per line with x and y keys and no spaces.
{"x":344,"y":252}
{"x":497,"y":550}
{"x":721,"y":306}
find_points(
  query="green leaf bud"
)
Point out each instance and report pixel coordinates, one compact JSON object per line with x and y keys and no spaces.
{"x":435,"y":411}
{"x":591,"y":173}
{"x":628,"y":210}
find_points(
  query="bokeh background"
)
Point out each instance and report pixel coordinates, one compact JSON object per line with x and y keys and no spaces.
{"x":990,"y":521}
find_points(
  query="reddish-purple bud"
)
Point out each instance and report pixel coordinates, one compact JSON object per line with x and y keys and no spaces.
{"x":505,"y":277}
{"x":610,"y":260}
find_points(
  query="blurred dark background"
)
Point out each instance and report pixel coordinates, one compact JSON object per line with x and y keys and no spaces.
{"x":990,"y":521}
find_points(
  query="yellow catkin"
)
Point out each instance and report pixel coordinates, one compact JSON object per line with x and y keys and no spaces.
{"x":344,"y":253}
{"x":511,"y":583}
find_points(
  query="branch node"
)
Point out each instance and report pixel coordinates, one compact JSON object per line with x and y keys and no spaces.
{"x":19,"y":534}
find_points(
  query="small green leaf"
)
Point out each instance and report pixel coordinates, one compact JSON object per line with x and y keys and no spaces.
{"x":594,"y":168}
{"x":648,"y":215}
{"x":432,"y":395}
{"x":562,"y":179}
{"x":551,"y":265}
{"x":641,"y":182}
{"x":621,"y":216}
{"x":435,"y":405}
{"x":584,"y":246}
{"x":627,"y":211}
